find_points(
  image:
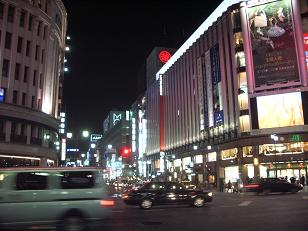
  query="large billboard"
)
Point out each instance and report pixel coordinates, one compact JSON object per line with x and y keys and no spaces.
{"x":280,"y":110}
{"x":272,"y":38}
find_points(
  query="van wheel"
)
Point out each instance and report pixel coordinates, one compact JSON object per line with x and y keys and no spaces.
{"x":146,"y":204}
{"x":73,"y":222}
{"x":199,"y":202}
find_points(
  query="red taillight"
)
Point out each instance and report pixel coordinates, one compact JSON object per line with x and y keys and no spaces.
{"x":251,"y":186}
{"x":107,"y":202}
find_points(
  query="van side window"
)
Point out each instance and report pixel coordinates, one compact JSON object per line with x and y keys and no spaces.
{"x":75,"y":179}
{"x":31,"y":181}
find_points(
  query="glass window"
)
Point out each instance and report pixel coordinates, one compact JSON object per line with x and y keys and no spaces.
{"x":26,"y":74}
{"x":5,"y":68}
{"x":24,"y":96}
{"x":17,"y":71}
{"x":31,"y":181}
{"x":10,"y":14}
{"x":39,"y":28}
{"x":77,"y":179}
{"x":30,"y":22}
{"x":8,"y":40}
{"x":28,"y":48}
{"x":19,"y":44}
{"x":22,"y":18}
{"x":43,"y":56}
{"x":34,"y":77}
{"x":15,"y":97}
{"x":154,"y":186}
{"x":175,"y":186}
{"x":32,"y":101}
{"x":36,"y":51}
{"x":1,"y":10}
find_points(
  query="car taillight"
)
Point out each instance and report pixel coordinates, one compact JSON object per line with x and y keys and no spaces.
{"x":107,"y":202}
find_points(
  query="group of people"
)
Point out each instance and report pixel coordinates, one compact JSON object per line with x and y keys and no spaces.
{"x":302,"y":180}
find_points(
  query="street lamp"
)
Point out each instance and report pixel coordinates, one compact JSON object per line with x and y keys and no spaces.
{"x":85,"y":134}
{"x":274,"y":137}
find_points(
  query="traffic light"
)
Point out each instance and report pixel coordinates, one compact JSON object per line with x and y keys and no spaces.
{"x":125,"y":152}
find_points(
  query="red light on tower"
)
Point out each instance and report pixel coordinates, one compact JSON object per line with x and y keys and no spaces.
{"x":125,"y":152}
{"x":164,"y":56}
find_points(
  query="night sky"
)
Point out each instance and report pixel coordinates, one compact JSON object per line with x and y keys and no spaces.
{"x":110,"y":42}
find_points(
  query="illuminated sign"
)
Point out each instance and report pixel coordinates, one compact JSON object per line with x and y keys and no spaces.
{"x":295,"y":138}
{"x":306,"y":48}
{"x":116,"y":118}
{"x":280,"y":110}
{"x":273,"y":43}
{"x":63,"y":149}
{"x":1,"y":95}
{"x":95,"y":137}
{"x":164,"y":56}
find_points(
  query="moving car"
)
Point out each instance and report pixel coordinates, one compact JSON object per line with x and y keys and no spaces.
{"x":63,"y":198}
{"x":161,"y":193}
{"x":272,"y":185}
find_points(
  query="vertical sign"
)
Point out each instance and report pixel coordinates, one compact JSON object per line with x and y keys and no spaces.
{"x":216,"y":81}
{"x":206,"y":115}
{"x":306,"y":49}
{"x":63,"y":149}
{"x":207,"y":61}
{"x":273,"y":43}
{"x":200,"y":93}
{"x":1,"y":95}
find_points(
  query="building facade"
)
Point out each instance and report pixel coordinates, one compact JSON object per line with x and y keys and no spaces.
{"x":32,"y":49}
{"x":231,"y":103}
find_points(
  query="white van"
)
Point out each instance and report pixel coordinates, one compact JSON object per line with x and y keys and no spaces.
{"x":65,"y":198}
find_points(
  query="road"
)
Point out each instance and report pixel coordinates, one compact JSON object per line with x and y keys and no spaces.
{"x":228,"y":211}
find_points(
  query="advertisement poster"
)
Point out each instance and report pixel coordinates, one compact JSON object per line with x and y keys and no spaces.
{"x":207,"y":61}
{"x":216,"y":82}
{"x":206,"y":115}
{"x":280,"y":110}
{"x":200,"y":93}
{"x":273,"y":44}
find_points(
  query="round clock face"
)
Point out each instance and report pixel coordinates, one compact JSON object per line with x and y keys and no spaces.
{"x":164,"y":56}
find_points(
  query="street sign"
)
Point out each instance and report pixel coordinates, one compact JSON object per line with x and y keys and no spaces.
{"x":95,"y":137}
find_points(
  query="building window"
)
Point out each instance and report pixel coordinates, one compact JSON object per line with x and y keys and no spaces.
{"x":17,"y":71}
{"x":44,"y":32}
{"x":34,"y":77}
{"x":39,"y":102}
{"x":19,"y":44}
{"x":26,"y":74}
{"x":41,"y":81}
{"x":43,"y":55}
{"x":32,"y":101}
{"x":36,"y":51}
{"x":28,"y":48}
{"x":46,"y":6}
{"x":23,"y":102}
{"x":8,"y":40}
{"x":23,"y":130}
{"x":22,"y":18}
{"x":15,"y":97}
{"x":30,"y":22}
{"x":39,"y":28}
{"x":5,"y":68}
{"x":10,"y":14}
{"x":1,"y":10}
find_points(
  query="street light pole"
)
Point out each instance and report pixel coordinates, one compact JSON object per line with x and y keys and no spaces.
{"x":275,"y":138}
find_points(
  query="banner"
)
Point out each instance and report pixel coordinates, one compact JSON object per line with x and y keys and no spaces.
{"x":216,"y":82}
{"x":207,"y":61}
{"x":273,"y":43}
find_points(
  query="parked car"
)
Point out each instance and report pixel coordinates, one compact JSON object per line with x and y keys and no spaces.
{"x":272,"y":185}
{"x":161,"y":193}
{"x":63,"y":198}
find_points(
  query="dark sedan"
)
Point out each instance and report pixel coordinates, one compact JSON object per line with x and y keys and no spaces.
{"x":272,"y":185}
{"x":162,"y":193}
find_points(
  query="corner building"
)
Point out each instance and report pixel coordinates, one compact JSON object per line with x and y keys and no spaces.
{"x":231,"y":103}
{"x":31,"y":74}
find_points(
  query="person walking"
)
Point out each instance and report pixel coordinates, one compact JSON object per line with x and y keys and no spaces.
{"x":229,"y":186}
{"x":303,"y":180}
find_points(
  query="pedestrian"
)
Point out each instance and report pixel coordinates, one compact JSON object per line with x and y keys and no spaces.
{"x":235,"y":188}
{"x":229,"y":186}
{"x":292,"y":180}
{"x":303,"y":180}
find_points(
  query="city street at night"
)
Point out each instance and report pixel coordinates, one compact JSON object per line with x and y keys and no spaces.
{"x":228,"y":211}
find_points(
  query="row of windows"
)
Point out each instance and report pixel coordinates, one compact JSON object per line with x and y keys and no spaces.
{"x":20,"y":45}
{"x":5,"y":73}
{"x":22,"y":19}
{"x":24,"y":101}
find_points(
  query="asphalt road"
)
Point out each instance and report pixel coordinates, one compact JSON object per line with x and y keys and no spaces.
{"x":283,"y":212}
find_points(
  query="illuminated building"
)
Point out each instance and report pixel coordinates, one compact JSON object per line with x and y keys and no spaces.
{"x":240,"y":78}
{"x":31,"y":75}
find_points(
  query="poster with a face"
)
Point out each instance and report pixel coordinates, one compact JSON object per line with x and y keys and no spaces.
{"x":273,"y":44}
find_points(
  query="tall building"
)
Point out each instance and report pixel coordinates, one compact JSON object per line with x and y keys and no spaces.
{"x":32,"y":49}
{"x":231,"y":103}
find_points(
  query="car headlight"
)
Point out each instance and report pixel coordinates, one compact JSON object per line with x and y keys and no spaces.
{"x":210,"y":194}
